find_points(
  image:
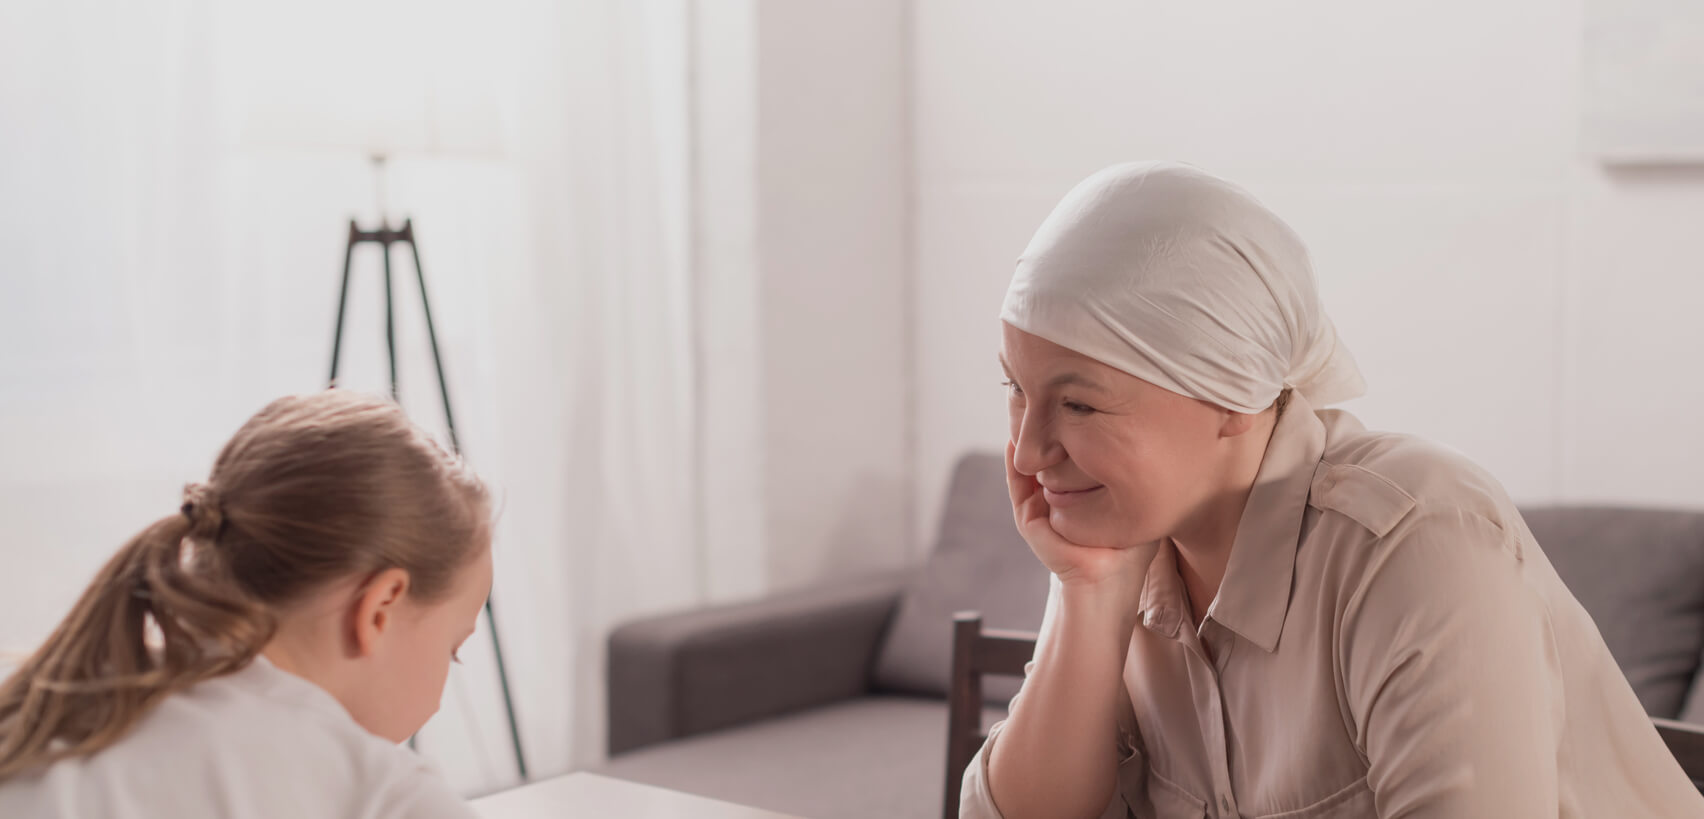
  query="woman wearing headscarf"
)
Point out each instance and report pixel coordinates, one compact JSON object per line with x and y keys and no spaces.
{"x":1258,"y":607}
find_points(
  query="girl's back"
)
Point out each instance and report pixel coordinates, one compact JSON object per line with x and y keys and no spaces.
{"x":257,"y":743}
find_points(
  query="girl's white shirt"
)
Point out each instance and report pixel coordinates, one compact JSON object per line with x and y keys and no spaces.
{"x":257,"y":743}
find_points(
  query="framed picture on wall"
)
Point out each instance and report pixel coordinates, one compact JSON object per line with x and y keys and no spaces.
{"x":1643,"y":77}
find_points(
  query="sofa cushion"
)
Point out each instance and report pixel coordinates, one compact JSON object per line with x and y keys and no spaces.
{"x":979,"y":562}
{"x":1693,"y":709}
{"x":870,"y":756}
{"x":1640,"y":574}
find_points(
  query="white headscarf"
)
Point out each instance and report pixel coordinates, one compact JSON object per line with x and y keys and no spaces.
{"x":1185,"y":281}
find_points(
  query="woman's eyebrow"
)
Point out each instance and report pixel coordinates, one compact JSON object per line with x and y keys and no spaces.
{"x":1069,"y":379}
{"x":1064,"y":379}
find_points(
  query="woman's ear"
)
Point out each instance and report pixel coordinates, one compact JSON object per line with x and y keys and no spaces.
{"x":376,"y":606}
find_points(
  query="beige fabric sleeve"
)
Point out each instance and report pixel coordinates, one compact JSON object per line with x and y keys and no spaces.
{"x":1452,"y":674}
{"x":975,"y":800}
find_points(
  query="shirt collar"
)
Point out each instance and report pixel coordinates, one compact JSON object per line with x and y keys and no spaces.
{"x":1254,"y":596}
{"x":272,"y":682}
{"x":1163,"y":603}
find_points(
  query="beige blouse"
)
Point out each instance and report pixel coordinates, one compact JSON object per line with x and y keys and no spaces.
{"x":1388,"y":641}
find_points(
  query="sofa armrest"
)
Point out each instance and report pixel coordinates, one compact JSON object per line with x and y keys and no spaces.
{"x":680,"y":674}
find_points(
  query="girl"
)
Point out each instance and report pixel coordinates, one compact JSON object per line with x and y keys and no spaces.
{"x":262,"y":651}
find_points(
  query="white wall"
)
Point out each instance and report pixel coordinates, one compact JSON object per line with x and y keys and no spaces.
{"x":803,"y":130}
{"x":160,"y":280}
{"x":833,"y":219}
{"x":1503,"y":293}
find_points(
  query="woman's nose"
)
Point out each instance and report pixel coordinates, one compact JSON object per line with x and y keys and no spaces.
{"x":1033,"y":447}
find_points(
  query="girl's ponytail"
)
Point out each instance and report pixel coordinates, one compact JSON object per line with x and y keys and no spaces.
{"x":160,"y":616}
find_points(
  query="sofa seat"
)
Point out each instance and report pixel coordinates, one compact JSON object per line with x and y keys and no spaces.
{"x":865,"y":757}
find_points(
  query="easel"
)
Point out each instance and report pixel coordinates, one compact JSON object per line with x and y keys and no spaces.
{"x":384,"y":237}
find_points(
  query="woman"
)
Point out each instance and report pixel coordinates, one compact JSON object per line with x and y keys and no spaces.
{"x":1259,"y":608}
{"x":262,"y":650}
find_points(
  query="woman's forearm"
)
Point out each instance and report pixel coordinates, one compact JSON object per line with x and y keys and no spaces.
{"x":1055,"y":755}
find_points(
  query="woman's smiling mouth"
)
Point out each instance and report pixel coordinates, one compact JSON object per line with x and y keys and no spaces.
{"x":1061,"y":498}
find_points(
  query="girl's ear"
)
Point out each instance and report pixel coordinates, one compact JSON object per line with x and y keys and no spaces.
{"x":375,"y":610}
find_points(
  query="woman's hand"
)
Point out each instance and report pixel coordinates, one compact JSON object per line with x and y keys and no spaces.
{"x":1053,"y":757}
{"x":1074,"y":563}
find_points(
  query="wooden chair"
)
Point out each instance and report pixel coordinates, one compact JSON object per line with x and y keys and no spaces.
{"x":975,"y":652}
{"x":1686,"y":741}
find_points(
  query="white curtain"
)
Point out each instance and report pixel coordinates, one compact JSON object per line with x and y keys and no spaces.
{"x":162,"y":276}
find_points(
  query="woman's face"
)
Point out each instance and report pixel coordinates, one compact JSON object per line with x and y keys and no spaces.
{"x":1121,"y":462}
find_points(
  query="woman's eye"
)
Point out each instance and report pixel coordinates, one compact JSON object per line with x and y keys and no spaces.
{"x":1011,"y":385}
{"x":1080,"y":409}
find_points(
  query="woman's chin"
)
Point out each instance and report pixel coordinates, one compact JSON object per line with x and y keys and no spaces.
{"x":1095,"y":533}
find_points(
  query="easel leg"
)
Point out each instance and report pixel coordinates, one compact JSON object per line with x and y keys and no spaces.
{"x":390,"y":319}
{"x":450,"y":424}
{"x":432,"y":336}
{"x":385,"y":238}
{"x":343,"y":299}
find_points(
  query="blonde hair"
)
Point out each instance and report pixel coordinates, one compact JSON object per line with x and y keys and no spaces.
{"x":313,"y":489}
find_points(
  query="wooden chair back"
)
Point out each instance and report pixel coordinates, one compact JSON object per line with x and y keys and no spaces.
{"x":976,"y":651}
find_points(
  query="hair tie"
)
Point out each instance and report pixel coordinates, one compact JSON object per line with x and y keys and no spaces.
{"x":201,"y":505}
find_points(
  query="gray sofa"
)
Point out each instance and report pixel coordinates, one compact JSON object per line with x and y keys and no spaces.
{"x":830,"y":702}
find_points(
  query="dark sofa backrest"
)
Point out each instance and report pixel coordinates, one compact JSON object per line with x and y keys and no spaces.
{"x":1640,"y":574}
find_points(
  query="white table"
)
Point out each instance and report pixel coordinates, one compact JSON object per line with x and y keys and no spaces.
{"x":589,"y":796}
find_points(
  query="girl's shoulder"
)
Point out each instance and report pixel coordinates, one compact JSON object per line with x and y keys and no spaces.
{"x":254,"y":742}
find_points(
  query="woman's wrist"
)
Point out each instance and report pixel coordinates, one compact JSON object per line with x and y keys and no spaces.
{"x":1111,"y":599}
